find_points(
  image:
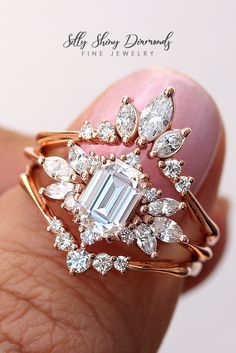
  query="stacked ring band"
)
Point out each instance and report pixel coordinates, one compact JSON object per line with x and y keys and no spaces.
{"x":112,"y":199}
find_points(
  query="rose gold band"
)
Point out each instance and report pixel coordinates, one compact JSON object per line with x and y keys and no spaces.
{"x":199,"y":252}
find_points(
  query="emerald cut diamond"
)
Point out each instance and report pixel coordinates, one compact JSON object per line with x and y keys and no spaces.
{"x":111,"y":196}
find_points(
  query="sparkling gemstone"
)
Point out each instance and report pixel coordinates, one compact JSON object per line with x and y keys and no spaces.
{"x":58,"y":191}
{"x":70,"y":201}
{"x":57,"y":168}
{"x":86,"y":131}
{"x":126,"y":120}
{"x":168,"y":144}
{"x":163,"y":207}
{"x":111,"y":196}
{"x":55,"y":225}
{"x":146,"y":240}
{"x":103,"y":263}
{"x":127,"y":235}
{"x":88,"y":237}
{"x":106,"y":131}
{"x":78,"y":159}
{"x":151,"y":194}
{"x":183,"y":184}
{"x":78,"y":261}
{"x":156,"y":117}
{"x":133,"y":159}
{"x":94,"y":161}
{"x":166,"y":230}
{"x":121,"y":263}
{"x":64,"y":241}
{"x":172,"y":168}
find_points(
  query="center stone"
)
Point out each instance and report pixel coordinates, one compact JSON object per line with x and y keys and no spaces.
{"x":111,"y":195}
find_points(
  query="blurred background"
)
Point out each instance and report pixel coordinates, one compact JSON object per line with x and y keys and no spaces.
{"x":42,"y":83}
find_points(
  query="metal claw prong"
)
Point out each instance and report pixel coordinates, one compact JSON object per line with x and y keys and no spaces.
{"x":139,"y":167}
{"x":159,"y":193}
{"x":161,"y":164}
{"x":191,"y":180}
{"x":70,"y":143}
{"x":81,"y":229}
{"x":137,"y":220}
{"x":142,"y":142}
{"x":125,"y":139}
{"x":112,"y":157}
{"x":144,"y":209}
{"x":153,"y":154}
{"x":154,"y":255}
{"x":126,"y":100}
{"x":137,"y":151}
{"x":72,"y":271}
{"x":42,"y":190}
{"x":182,"y":206}
{"x":112,"y":139}
{"x":148,"y":219}
{"x":122,"y":157}
{"x":185,"y":132}
{"x":41,"y":160}
{"x":74,"y":247}
{"x":184,"y":239}
{"x":103,"y":159}
{"x":181,"y":163}
{"x":169,"y":91}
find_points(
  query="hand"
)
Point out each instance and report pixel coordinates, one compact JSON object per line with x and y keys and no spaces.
{"x":43,"y":308}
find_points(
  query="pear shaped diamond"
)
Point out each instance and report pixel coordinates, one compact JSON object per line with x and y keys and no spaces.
{"x":163,"y":207}
{"x":166,"y":230}
{"x":57,"y":168}
{"x":168,"y":144}
{"x":78,"y":159}
{"x":126,"y":121}
{"x":156,"y":117}
{"x":58,"y":191}
{"x":145,"y":238}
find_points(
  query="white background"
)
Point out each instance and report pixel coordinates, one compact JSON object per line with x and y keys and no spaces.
{"x":41,"y":83}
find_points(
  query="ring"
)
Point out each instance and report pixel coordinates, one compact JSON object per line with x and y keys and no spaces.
{"x":111,"y":198}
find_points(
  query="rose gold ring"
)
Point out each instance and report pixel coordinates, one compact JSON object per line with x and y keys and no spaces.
{"x":111,"y":199}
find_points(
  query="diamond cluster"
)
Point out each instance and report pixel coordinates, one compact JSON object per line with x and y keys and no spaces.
{"x":112,"y":197}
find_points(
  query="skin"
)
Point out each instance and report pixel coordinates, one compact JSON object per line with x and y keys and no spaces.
{"x":43,"y":308}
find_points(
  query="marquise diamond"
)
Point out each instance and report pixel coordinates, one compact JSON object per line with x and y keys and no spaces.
{"x":163,"y":207}
{"x":166,"y":230}
{"x":156,"y":117}
{"x":168,"y":144}
{"x":58,"y":191}
{"x":126,"y":120}
{"x":57,"y":168}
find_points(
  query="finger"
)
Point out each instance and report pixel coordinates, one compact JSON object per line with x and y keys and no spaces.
{"x":11,"y":157}
{"x":220,"y":215}
{"x":116,"y":311}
